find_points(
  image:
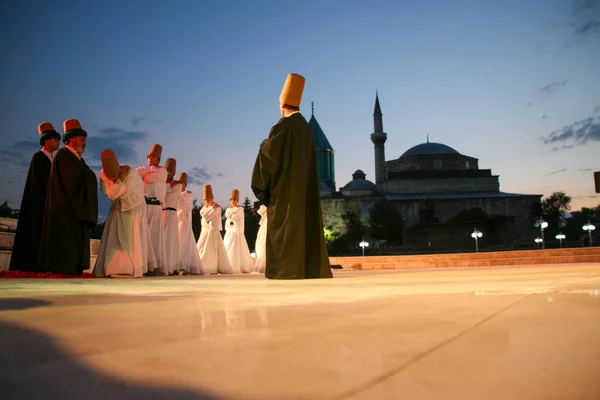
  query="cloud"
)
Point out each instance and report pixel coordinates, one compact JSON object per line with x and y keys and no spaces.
{"x":122,"y":141}
{"x":585,"y":17}
{"x":136,"y":121}
{"x":576,"y":134}
{"x":550,"y":89}
{"x":19,"y":153}
{"x":556,"y":172}
{"x":200,"y":176}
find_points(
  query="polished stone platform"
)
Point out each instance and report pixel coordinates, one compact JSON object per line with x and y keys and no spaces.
{"x":529,"y":332}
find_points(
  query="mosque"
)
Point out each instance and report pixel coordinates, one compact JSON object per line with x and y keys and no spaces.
{"x":441,"y":194}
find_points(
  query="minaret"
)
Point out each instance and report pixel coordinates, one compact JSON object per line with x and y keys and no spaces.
{"x":378,"y":137}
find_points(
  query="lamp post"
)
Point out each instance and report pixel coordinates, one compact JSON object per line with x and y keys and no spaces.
{"x":363,"y":244}
{"x":539,"y":240}
{"x":589,"y":228}
{"x":560,"y":237}
{"x":542,"y":225}
{"x":476,"y":235}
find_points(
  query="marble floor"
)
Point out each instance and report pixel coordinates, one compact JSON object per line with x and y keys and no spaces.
{"x":478,"y":333}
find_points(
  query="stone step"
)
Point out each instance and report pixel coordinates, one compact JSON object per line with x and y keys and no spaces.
{"x":523,"y":257}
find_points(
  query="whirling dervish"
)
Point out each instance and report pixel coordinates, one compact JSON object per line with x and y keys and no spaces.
{"x":235,"y":240}
{"x":210,"y":244}
{"x":189,"y":259}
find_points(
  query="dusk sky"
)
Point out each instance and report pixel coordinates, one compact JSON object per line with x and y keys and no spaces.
{"x":515,"y":84}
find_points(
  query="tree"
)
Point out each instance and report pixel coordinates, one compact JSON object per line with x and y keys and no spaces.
{"x":385,"y":222}
{"x":196,"y":226}
{"x":251,"y":224}
{"x":7,"y":212}
{"x":355,"y":229}
{"x":552,"y":209}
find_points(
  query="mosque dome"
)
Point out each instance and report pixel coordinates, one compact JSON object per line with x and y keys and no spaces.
{"x":359,"y":182}
{"x":429,"y":149}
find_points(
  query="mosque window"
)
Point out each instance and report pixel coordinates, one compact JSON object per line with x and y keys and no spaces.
{"x":402,"y":167}
{"x":467,"y":164}
{"x":437,"y":164}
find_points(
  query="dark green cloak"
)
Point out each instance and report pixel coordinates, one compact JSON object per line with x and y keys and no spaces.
{"x":285,"y":180}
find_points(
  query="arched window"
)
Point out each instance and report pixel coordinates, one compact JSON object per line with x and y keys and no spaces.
{"x":437,"y":164}
{"x":402,"y":167}
{"x":467,"y":164}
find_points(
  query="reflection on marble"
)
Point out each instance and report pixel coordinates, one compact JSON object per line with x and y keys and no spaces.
{"x":485,"y":333}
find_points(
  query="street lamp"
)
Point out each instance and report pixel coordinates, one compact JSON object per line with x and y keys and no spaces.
{"x":539,"y":240}
{"x":589,"y":228}
{"x":543,"y":225}
{"x":560,"y":237}
{"x":363,"y":244}
{"x":476,"y":235}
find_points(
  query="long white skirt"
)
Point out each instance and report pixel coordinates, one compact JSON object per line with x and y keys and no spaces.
{"x":261,"y":249}
{"x":238,"y":252}
{"x":121,"y":249}
{"x":172,"y":254}
{"x":212,"y":252}
{"x":157,"y":237}
{"x":189,"y":259}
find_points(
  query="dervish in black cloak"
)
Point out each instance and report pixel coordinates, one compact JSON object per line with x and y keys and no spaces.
{"x":285,"y":179}
{"x":71,"y":209}
{"x":31,"y":214}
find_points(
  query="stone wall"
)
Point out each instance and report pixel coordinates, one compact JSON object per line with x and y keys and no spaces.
{"x":448,"y":185}
{"x":444,"y":162}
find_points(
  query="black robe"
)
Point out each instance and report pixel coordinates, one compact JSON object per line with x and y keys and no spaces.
{"x":71,"y":212}
{"x":31,"y":215}
{"x":285,"y":180}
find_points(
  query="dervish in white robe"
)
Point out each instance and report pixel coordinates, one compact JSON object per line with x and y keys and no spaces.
{"x":155,"y":186}
{"x":261,"y":241}
{"x":189,"y":258}
{"x":235,"y":241}
{"x":122,"y":251}
{"x":210,"y":244}
{"x":171,"y":227}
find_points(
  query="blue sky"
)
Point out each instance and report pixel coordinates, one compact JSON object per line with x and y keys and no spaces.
{"x":512,"y":83}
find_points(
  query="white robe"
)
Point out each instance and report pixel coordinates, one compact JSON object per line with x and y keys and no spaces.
{"x":171,"y":229}
{"x":189,"y":259}
{"x":155,"y":179}
{"x":210,"y":244}
{"x":261,"y":242}
{"x":125,"y":232}
{"x":235,"y":241}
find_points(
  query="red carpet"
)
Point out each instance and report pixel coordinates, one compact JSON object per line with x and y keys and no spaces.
{"x":41,"y":275}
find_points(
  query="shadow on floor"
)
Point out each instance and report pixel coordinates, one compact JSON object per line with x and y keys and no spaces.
{"x":34,"y":366}
{"x":11,"y":304}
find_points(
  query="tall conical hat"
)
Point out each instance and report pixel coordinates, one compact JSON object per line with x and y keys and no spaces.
{"x":171,"y":163}
{"x":292,"y":90}
{"x":208,"y":194}
{"x":47,"y":131}
{"x":182,"y":178}
{"x":235,"y":194}
{"x":156,"y":149}
{"x":110,"y":164}
{"x":72,"y":128}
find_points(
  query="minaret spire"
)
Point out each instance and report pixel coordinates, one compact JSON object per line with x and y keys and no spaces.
{"x":378,"y":137}
{"x":428,"y":138}
{"x":312,"y":104}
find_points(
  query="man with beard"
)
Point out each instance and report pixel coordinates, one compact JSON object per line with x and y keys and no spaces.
{"x":31,"y":214}
{"x":71,"y":207}
{"x":285,"y":180}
